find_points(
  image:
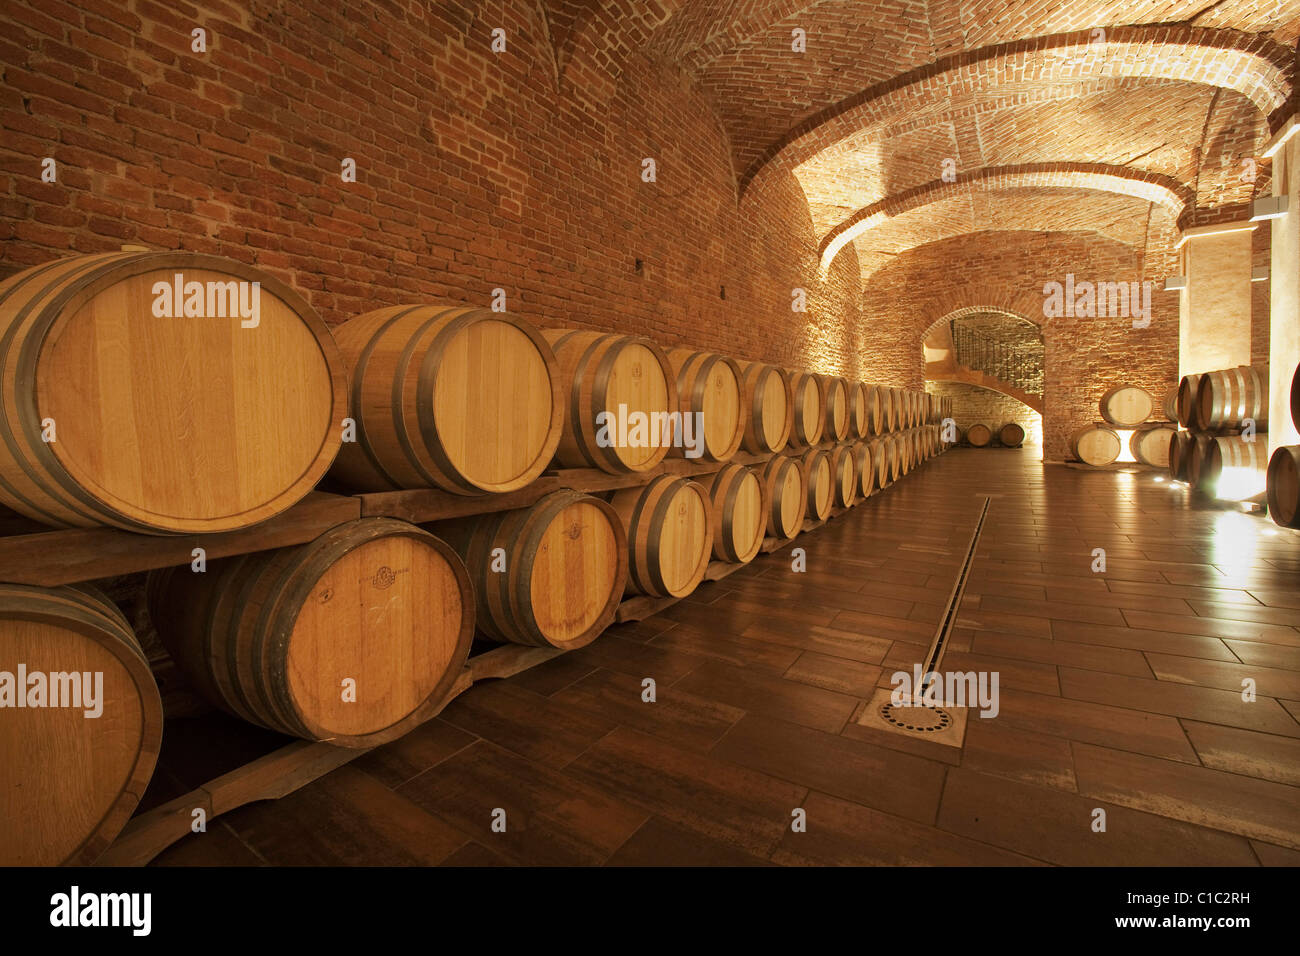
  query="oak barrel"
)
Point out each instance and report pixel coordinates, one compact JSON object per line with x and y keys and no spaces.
{"x":1011,"y":435}
{"x":1186,"y":404}
{"x":888,"y":415}
{"x":1284,"y":486}
{"x":844,"y":476}
{"x":669,"y":525}
{"x":1235,"y":467}
{"x":710,"y":385}
{"x":1126,"y":405}
{"x":1180,"y":454}
{"x":1295,"y":398}
{"x":875,"y":398}
{"x":784,"y":482}
{"x":979,"y":435}
{"x":860,"y":399}
{"x":124,"y":404}
{"x":466,"y":400}
{"x":619,"y":395}
{"x":1230,"y":397}
{"x":864,"y":466}
{"x":1196,"y":458}
{"x":739,"y":505}
{"x":1096,"y":445}
{"x":836,"y":407}
{"x":809,"y":409}
{"x":768,"y":405}
{"x":894,"y":456}
{"x":1170,"y":408}
{"x":76,"y":756}
{"x":879,"y":449}
{"x":1150,"y":446}
{"x":375,"y":608}
{"x":819,"y":483}
{"x":558,"y":576}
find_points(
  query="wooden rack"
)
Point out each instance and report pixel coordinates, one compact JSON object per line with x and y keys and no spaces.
{"x":35,"y":555}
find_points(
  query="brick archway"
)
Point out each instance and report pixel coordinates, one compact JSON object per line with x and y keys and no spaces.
{"x":1261,"y":70}
{"x":1103,"y":178}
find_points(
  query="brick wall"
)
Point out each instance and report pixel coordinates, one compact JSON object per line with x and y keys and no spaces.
{"x":973,"y":405}
{"x":475,"y":170}
{"x":1083,"y":357}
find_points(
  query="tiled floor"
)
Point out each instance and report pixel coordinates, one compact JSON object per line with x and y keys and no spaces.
{"x":1119,"y":690}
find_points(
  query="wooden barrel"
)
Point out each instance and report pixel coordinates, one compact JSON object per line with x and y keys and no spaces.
{"x":1234,"y":468}
{"x":1011,"y":435}
{"x":1171,"y":405}
{"x":894,"y":454}
{"x":1150,"y":446}
{"x":979,"y":435}
{"x":549,"y":575}
{"x":768,"y":408}
{"x":121,"y":406}
{"x":1096,"y":445}
{"x":844,"y":476}
{"x":1180,"y":454}
{"x":836,"y":407}
{"x":1126,"y":405}
{"x":880,"y":461}
{"x":784,"y":482}
{"x":1196,"y":457}
{"x":669,"y":525}
{"x":466,"y":400}
{"x":888,"y":415}
{"x":710,"y":385}
{"x":1230,"y":397}
{"x":739,"y":505}
{"x":1295,"y":398}
{"x":809,"y":410}
{"x":1284,"y":486}
{"x":353,"y":638}
{"x":819,"y":484}
{"x":80,"y":729}
{"x":860,"y":400}
{"x":619,"y":394}
{"x":1188,"y":413}
{"x":864,"y":466}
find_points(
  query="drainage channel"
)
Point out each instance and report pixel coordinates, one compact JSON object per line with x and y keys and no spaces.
{"x":943,"y":725}
{"x":934,"y":657}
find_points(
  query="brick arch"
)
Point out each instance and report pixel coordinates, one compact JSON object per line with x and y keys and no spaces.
{"x":957,"y":303}
{"x":1253,"y":65}
{"x":965,"y":310}
{"x":1122,"y":180}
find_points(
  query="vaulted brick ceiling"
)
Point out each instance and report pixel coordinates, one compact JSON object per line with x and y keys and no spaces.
{"x":891,"y":94}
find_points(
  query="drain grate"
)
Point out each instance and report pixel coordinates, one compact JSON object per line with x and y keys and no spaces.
{"x":920,"y":719}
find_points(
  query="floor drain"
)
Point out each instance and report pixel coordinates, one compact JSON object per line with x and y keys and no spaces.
{"x":919,"y":718}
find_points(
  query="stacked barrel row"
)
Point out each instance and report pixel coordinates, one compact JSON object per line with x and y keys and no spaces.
{"x":1124,"y":408}
{"x":1222,"y":448}
{"x":980,"y":435}
{"x":1283,"y":477}
{"x":171,"y":393}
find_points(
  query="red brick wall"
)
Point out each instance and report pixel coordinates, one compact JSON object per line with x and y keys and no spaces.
{"x":475,"y":170}
{"x":1083,"y":357}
